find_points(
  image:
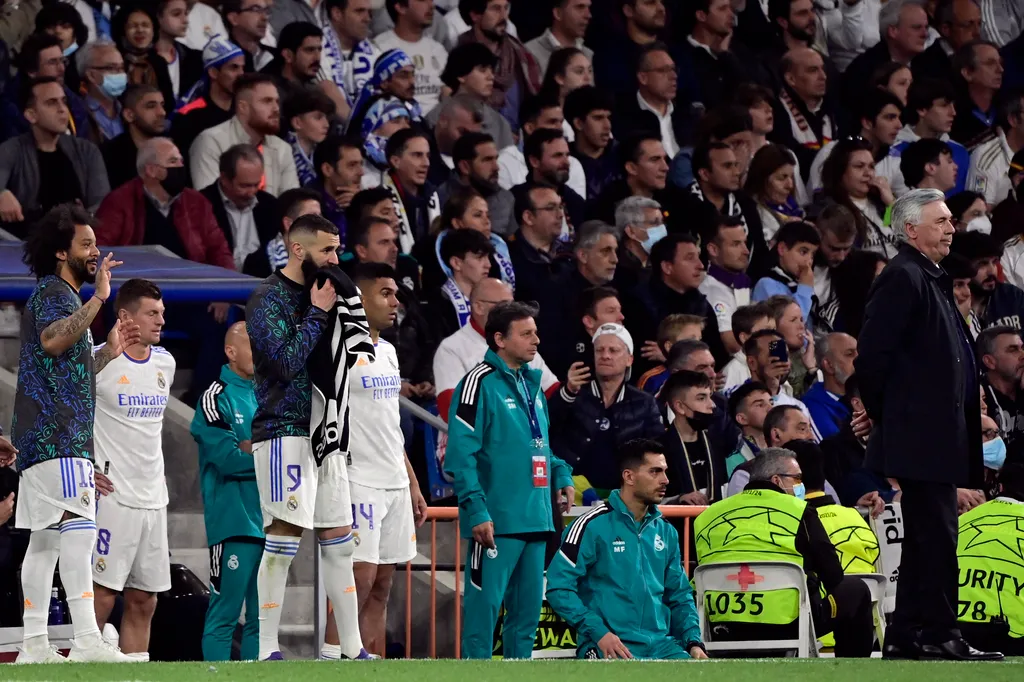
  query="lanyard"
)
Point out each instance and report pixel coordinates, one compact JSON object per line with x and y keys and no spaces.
{"x":531,"y":409}
{"x":711,"y":467}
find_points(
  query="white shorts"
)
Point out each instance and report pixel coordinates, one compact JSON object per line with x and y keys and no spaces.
{"x":295,"y":490}
{"x":131,"y":548}
{"x":50,"y":488}
{"x":383,"y":524}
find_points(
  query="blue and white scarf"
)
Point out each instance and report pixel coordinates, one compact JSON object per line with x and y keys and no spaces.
{"x":388,"y":64}
{"x":459,"y":300}
{"x":350,"y":83}
{"x":277,"y":253}
{"x":303,"y":163}
{"x":380,"y":112}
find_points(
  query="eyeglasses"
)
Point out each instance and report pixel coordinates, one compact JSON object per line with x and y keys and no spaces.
{"x":257,"y":9}
{"x":797,"y":478}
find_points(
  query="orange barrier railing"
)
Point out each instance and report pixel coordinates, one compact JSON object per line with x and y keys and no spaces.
{"x":451,"y":514}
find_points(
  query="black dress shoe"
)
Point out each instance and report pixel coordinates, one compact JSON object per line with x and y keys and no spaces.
{"x":958,"y":650}
{"x":911,"y":651}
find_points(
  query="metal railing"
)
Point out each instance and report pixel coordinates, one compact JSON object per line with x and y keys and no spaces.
{"x":451,"y":515}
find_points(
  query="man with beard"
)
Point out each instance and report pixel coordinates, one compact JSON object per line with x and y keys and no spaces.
{"x":476,"y":165}
{"x":256,"y":121}
{"x":835,"y":355}
{"x":1001,"y":355}
{"x":298,"y":65}
{"x":547,"y":155}
{"x":537,"y":113}
{"x":145,"y":116}
{"x":596,"y":591}
{"x":286,"y":316}
{"x":52,"y":430}
{"x":615,"y":63}
{"x":993,"y":302}
{"x":412,"y":20}
{"x":516,"y":74}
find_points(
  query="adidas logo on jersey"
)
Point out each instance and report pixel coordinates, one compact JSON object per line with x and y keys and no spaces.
{"x":123,"y":380}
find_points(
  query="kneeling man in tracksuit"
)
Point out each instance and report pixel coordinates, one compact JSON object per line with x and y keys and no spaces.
{"x":593,"y":581}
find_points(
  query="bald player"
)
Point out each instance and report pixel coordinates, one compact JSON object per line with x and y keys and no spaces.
{"x":222,"y":427}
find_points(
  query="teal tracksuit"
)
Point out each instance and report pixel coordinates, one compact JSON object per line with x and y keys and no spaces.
{"x":613,"y":574}
{"x":231,"y":507}
{"x":499,"y":456}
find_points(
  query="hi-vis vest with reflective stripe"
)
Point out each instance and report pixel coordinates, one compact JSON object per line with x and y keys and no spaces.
{"x":756,"y":525}
{"x":853,"y":539}
{"x":990,"y":552}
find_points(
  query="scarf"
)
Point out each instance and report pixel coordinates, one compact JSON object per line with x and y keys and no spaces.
{"x":802,"y":131}
{"x":731,"y":208}
{"x":452,"y":292}
{"x":303,"y":163}
{"x":388,"y":64}
{"x":361,"y":59}
{"x":346,"y":339}
{"x":787,"y":211}
{"x":406,"y":232}
{"x":380,"y":112}
{"x":501,"y":256}
{"x":277,"y":253}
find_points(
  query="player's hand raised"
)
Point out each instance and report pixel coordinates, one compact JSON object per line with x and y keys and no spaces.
{"x":323,"y":296}
{"x":103,"y":276}
{"x":122,"y":335}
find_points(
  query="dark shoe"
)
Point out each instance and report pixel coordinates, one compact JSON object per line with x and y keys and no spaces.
{"x":958,"y":650}
{"x":911,"y":651}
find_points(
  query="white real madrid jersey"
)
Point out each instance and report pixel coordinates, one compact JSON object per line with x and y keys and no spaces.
{"x":376,"y":444}
{"x":430,"y":58}
{"x":131,"y":396}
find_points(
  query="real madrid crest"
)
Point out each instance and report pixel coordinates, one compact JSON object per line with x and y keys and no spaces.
{"x":160,"y":380}
{"x":293,"y":504}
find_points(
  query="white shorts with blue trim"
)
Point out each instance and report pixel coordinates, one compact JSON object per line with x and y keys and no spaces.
{"x":52,"y":487}
{"x":295,"y":490}
{"x":131,"y":548}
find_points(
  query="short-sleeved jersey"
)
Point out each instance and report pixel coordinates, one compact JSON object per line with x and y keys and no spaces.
{"x":55,"y":402}
{"x":376,"y":444}
{"x":131,"y":396}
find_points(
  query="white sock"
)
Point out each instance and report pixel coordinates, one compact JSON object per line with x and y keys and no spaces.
{"x":271,"y":581}
{"x":340,"y":583}
{"x":77,"y":539}
{"x":331,"y":652}
{"x":37,"y":584}
{"x":142,"y":656}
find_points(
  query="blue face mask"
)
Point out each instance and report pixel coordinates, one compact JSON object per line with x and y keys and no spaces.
{"x":114,"y":84}
{"x":654,"y":235}
{"x":71,"y":49}
{"x":994,"y":453}
{"x":799,"y":491}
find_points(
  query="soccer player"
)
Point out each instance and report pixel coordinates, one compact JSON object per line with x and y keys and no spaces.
{"x":131,"y":553}
{"x":286,"y":316}
{"x":222,"y":427}
{"x":387,"y":505}
{"x":54,"y":408}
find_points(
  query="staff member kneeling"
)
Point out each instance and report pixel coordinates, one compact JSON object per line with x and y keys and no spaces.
{"x":593,"y":582}
{"x":769,"y":521}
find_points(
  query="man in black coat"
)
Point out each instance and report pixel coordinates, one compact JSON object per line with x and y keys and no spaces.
{"x":919,"y":384}
{"x":224,"y":194}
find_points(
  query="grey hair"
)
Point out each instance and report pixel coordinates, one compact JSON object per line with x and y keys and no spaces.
{"x":889,"y":15}
{"x":83,"y":57}
{"x":149,"y":153}
{"x":770,"y":462}
{"x":590,"y":232}
{"x":465,"y":102}
{"x":822,"y":346}
{"x":908,"y":209}
{"x":630,"y":212}
{"x":681,"y":352}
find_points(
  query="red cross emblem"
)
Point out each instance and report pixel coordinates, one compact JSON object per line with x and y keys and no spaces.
{"x":745,"y":577}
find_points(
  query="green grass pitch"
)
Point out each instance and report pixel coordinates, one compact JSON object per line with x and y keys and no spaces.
{"x":823,"y":670}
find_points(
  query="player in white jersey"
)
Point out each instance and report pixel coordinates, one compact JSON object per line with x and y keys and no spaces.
{"x":131,"y":553}
{"x":387,"y":505}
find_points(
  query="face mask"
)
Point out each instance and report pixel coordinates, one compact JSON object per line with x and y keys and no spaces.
{"x":994,"y":453}
{"x":71,"y":49}
{"x":700,"y":421}
{"x":981,"y":224}
{"x":114,"y":84}
{"x":799,"y":491}
{"x":176,"y":181}
{"x":654,"y":235}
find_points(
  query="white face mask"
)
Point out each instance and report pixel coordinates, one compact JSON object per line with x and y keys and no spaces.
{"x":981,"y":224}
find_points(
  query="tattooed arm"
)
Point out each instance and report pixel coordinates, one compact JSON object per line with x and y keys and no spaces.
{"x":101,"y":358}
{"x":61,"y":334}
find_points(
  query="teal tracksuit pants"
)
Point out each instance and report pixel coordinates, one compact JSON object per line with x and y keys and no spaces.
{"x":513,"y":574}
{"x":233,"y":567}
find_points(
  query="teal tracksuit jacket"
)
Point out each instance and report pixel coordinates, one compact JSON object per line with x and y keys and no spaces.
{"x":497,"y":440}
{"x":613,"y":574}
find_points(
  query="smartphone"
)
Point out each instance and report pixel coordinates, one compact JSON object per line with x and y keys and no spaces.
{"x":777,"y":349}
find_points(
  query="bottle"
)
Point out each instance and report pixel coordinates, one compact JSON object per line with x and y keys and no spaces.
{"x":56,"y":610}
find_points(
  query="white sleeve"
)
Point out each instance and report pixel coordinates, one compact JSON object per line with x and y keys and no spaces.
{"x":205,"y":159}
{"x":547,"y":377}
{"x":510,"y":171}
{"x":848,"y":32}
{"x":723,"y":302}
{"x":448,"y":368}
{"x":577,"y":177}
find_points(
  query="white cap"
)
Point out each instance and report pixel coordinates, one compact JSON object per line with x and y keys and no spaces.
{"x":615,"y":330}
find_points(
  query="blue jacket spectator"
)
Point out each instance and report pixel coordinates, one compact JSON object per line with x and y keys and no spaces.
{"x":796,"y":244}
